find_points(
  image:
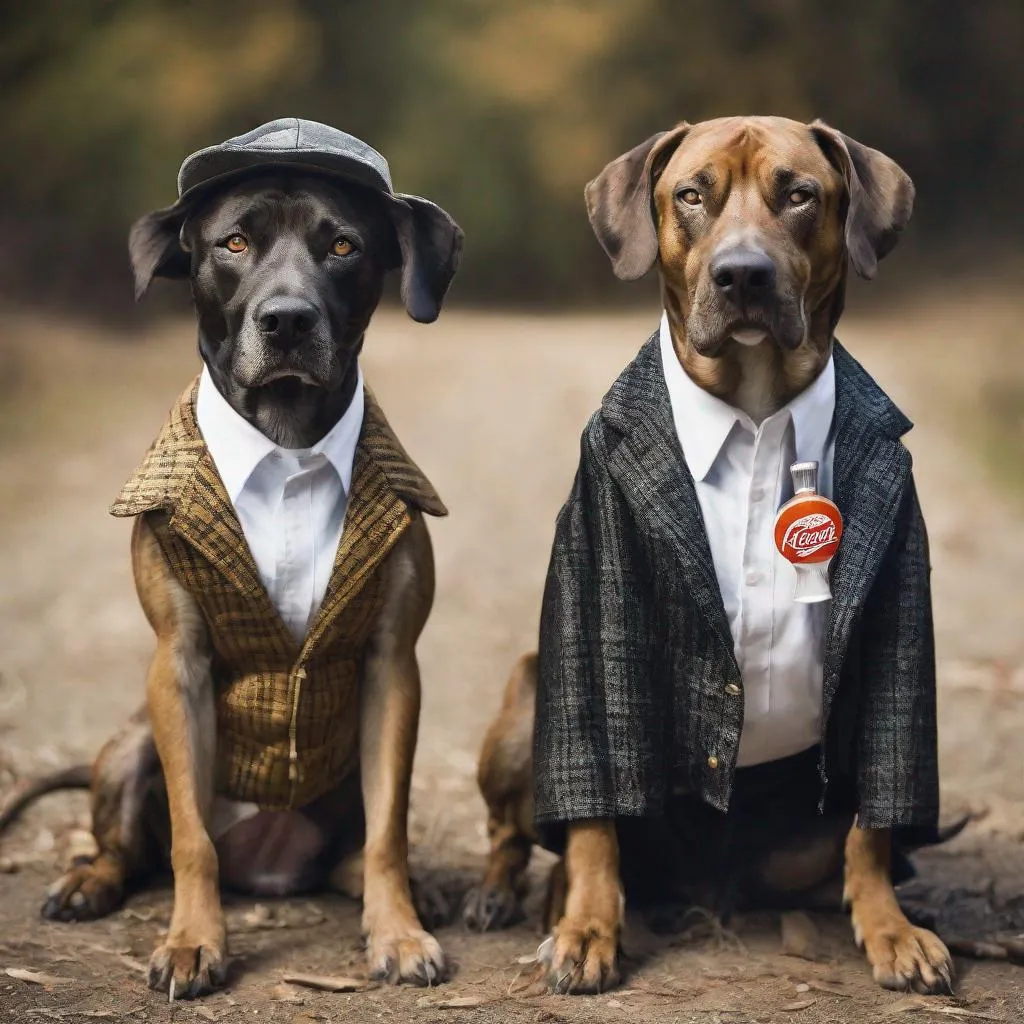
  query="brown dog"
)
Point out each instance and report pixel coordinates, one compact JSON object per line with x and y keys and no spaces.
{"x":752,"y":223}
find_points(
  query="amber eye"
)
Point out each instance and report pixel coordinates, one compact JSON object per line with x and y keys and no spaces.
{"x":343,"y":247}
{"x":799,"y":196}
{"x":236,"y":243}
{"x":690,"y":196}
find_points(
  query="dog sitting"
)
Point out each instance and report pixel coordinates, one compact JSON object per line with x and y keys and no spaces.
{"x":281,"y":556}
{"x":699,"y":736}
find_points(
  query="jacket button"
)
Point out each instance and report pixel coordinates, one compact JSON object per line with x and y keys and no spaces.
{"x":733,"y":690}
{"x":712,"y":762}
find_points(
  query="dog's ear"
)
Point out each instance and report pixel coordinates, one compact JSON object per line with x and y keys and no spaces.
{"x":154,"y":245}
{"x":430,"y":243}
{"x":881,"y":197}
{"x":620,"y":208}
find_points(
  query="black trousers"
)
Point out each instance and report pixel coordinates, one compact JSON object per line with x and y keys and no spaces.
{"x":771,"y":848}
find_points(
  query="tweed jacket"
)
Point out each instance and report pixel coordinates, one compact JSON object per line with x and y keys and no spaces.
{"x":635,"y":649}
{"x":287,"y":713}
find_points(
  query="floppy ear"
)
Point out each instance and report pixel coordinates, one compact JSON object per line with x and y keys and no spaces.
{"x":431,"y":246}
{"x":881,"y":197}
{"x":154,"y":245}
{"x":619,"y":204}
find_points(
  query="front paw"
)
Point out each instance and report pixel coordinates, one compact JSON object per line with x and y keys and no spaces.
{"x":411,"y":957}
{"x":185,"y":969}
{"x":580,"y":957}
{"x":903,"y":957}
{"x":489,"y":908}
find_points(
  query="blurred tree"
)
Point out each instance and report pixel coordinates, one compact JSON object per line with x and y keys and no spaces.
{"x":501,"y":112}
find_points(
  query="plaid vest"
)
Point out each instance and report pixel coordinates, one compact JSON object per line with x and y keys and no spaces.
{"x":287,"y":713}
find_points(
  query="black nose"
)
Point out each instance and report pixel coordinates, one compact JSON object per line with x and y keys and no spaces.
{"x":746,"y":276}
{"x":286,"y":321}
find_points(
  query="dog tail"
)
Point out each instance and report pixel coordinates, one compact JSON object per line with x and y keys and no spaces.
{"x":29,"y":790}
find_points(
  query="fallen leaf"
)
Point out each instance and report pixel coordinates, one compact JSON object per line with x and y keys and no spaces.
{"x":284,"y":993}
{"x":802,"y":1004}
{"x":832,"y":990}
{"x":259,"y":917}
{"x":327,"y":983}
{"x":614,"y":1003}
{"x":132,"y":964}
{"x":36,"y":977}
{"x":205,"y":1013}
{"x":461,"y":1003}
{"x":921,"y":1004}
{"x":137,"y":915}
{"x":960,"y":1012}
{"x":800,"y":936}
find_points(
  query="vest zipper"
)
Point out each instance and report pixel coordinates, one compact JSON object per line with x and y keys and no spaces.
{"x":293,"y":749}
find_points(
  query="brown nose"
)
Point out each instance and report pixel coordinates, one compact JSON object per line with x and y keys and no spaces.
{"x":744,"y":276}
{"x":286,"y":321}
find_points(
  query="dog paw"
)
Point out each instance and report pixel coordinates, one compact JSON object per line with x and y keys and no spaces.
{"x":185,"y":971}
{"x":580,"y":958}
{"x":903,"y":957}
{"x":433,"y":907}
{"x":84,"y":893}
{"x":488,"y":908}
{"x":414,"y":958}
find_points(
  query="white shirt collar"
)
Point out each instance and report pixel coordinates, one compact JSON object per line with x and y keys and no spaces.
{"x":704,"y":422}
{"x":237,"y":447}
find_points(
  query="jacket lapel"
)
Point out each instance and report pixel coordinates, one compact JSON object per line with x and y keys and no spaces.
{"x":871,"y":473}
{"x":649,"y":467}
{"x":386,"y":486}
{"x":178,"y":476}
{"x":205,"y":517}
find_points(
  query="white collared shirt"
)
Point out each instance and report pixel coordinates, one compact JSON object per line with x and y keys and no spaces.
{"x":290,"y":503}
{"x":741,"y":474}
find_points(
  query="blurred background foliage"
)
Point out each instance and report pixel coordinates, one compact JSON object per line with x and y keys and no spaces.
{"x":500,"y":111}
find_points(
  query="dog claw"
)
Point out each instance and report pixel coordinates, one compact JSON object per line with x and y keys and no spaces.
{"x":489,"y":908}
{"x":385,"y":970}
{"x":185,"y":971}
{"x":414,"y":958}
{"x":578,"y":960}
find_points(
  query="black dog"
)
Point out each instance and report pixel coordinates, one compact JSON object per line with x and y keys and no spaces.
{"x":282,"y":750}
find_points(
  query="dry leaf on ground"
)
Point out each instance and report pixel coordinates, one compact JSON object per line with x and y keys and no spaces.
{"x":327,"y":983}
{"x":36,"y":977}
{"x":800,"y":1005}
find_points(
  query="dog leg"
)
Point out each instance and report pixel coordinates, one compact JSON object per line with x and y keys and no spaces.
{"x":580,"y":955}
{"x":505,"y":777}
{"x":901,"y":956}
{"x":94,"y":886}
{"x":398,"y":947}
{"x":179,"y":692}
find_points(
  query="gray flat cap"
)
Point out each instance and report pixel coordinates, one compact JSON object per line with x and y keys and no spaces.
{"x":287,"y":142}
{"x":429,"y":239}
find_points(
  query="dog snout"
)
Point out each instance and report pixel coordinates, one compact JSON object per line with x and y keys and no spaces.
{"x":744,"y":276}
{"x":286,"y":321}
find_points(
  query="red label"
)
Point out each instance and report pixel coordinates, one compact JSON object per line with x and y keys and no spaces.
{"x":808,"y":529}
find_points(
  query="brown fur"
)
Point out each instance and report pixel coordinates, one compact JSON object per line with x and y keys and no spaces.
{"x":862,"y":200}
{"x":131,"y":798}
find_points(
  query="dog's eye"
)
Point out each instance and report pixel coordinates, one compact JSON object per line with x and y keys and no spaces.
{"x":236,"y":243}
{"x":690,"y":196}
{"x":343,"y":247}
{"x":799,"y":196}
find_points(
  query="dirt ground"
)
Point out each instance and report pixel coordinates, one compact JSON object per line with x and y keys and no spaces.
{"x":492,"y":407}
